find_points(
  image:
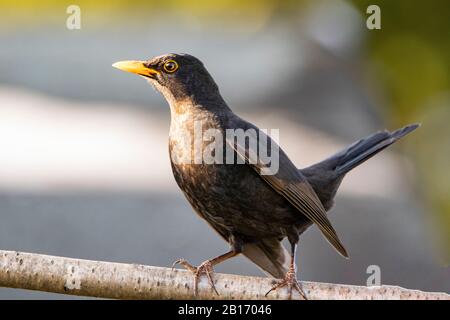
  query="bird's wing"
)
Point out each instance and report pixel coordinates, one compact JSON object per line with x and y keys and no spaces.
{"x":287,"y":180}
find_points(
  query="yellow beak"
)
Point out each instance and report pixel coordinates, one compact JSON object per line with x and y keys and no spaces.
{"x":137,"y":67}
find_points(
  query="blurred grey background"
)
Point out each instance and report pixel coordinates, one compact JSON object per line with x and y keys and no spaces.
{"x":84,"y":167}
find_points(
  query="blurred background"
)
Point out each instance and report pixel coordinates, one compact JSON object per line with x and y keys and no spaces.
{"x":84,"y":167}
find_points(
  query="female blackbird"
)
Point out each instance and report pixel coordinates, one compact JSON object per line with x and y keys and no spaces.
{"x":253,"y":204}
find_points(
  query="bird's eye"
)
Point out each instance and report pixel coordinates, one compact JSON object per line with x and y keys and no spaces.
{"x":170,"y":66}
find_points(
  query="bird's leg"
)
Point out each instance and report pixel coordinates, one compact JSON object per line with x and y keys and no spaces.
{"x":290,"y":279}
{"x":207,"y":266}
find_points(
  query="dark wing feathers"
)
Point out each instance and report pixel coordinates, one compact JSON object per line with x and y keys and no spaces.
{"x":291,"y":184}
{"x":314,"y":211}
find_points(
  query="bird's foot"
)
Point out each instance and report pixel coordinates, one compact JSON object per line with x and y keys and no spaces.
{"x":289,"y":281}
{"x":204,"y":268}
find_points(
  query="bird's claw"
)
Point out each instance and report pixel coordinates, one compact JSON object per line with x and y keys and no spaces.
{"x":185,"y":264}
{"x":289,"y":281}
{"x":205,"y":267}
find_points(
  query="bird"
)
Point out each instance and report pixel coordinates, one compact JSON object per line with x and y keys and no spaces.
{"x":251,"y":208}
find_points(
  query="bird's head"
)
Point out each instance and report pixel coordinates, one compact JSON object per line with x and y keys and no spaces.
{"x":179,"y":77}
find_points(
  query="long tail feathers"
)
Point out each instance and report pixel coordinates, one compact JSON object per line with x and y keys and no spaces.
{"x":366,"y":148}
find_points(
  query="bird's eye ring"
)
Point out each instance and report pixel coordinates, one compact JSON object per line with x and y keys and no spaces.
{"x":170,"y":66}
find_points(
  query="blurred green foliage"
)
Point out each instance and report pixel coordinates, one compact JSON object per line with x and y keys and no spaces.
{"x":410,"y":57}
{"x":412,"y":51}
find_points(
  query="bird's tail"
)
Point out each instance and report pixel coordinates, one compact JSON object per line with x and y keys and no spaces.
{"x":364,"y":149}
{"x":269,"y":255}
